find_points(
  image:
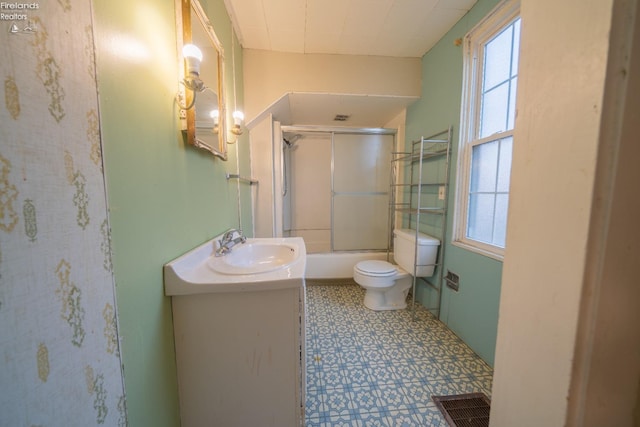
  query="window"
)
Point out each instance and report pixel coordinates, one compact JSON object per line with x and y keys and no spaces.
{"x":486,"y":137}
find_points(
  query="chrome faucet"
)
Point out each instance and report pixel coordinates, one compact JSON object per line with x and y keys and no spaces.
{"x":227,"y":242}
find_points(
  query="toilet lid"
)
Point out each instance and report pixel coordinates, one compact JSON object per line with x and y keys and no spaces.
{"x":376,"y":268}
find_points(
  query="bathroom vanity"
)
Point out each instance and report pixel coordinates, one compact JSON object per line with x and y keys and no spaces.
{"x":239,"y":335}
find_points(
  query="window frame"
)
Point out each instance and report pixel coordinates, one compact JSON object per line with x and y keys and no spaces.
{"x":503,"y":15}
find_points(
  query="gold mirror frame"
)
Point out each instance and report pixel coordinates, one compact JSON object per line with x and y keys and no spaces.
{"x":186,"y":11}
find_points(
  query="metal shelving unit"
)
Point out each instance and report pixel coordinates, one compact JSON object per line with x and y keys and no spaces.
{"x":416,"y":200}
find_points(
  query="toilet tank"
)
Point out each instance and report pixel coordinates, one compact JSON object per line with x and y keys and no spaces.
{"x":404,"y":246}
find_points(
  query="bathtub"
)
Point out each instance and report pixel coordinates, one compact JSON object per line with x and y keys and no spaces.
{"x":338,"y":265}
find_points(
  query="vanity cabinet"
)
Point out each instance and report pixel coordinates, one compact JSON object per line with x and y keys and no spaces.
{"x":240,"y":357}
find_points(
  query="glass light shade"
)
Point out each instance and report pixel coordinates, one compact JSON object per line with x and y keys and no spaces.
{"x":193,"y":55}
{"x":215,"y":115}
{"x":192,"y":51}
{"x":238,"y":117}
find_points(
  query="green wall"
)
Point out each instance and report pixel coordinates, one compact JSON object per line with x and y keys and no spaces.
{"x":472,"y":313}
{"x":164,"y":197}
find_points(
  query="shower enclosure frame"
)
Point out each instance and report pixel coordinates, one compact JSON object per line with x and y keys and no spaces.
{"x":333,"y":131}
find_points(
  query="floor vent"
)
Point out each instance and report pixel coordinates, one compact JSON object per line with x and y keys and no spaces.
{"x":465,"y":410}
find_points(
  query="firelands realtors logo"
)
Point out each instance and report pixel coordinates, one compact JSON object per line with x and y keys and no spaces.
{"x":18,"y":15}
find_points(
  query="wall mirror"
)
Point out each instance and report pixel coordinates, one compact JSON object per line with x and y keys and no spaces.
{"x":204,"y":125}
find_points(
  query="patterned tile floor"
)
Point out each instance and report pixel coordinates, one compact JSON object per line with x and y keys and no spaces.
{"x":368,"y":368}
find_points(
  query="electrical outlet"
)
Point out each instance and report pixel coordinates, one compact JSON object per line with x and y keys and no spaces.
{"x":441,"y":192}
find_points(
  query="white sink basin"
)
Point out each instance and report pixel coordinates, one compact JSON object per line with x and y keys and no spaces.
{"x":258,"y":264}
{"x":254,"y":258}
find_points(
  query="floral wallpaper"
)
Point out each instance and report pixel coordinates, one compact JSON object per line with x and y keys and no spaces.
{"x":59,"y":348}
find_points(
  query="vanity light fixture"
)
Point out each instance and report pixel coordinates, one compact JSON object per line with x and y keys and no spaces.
{"x":215,"y":115}
{"x":192,"y":81}
{"x":193,"y":55}
{"x":238,"y":117}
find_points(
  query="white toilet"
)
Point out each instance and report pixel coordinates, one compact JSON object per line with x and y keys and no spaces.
{"x":386,"y":284}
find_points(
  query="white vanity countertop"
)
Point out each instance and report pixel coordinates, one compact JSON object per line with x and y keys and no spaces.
{"x":191,"y":273}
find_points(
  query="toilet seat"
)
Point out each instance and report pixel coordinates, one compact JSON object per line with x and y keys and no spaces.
{"x":375,"y":268}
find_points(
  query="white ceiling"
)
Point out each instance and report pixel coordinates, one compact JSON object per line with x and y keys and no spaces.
{"x":398,"y":28}
{"x":395,"y":28}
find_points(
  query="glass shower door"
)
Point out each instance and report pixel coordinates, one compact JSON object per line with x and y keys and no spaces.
{"x":360,"y":191}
